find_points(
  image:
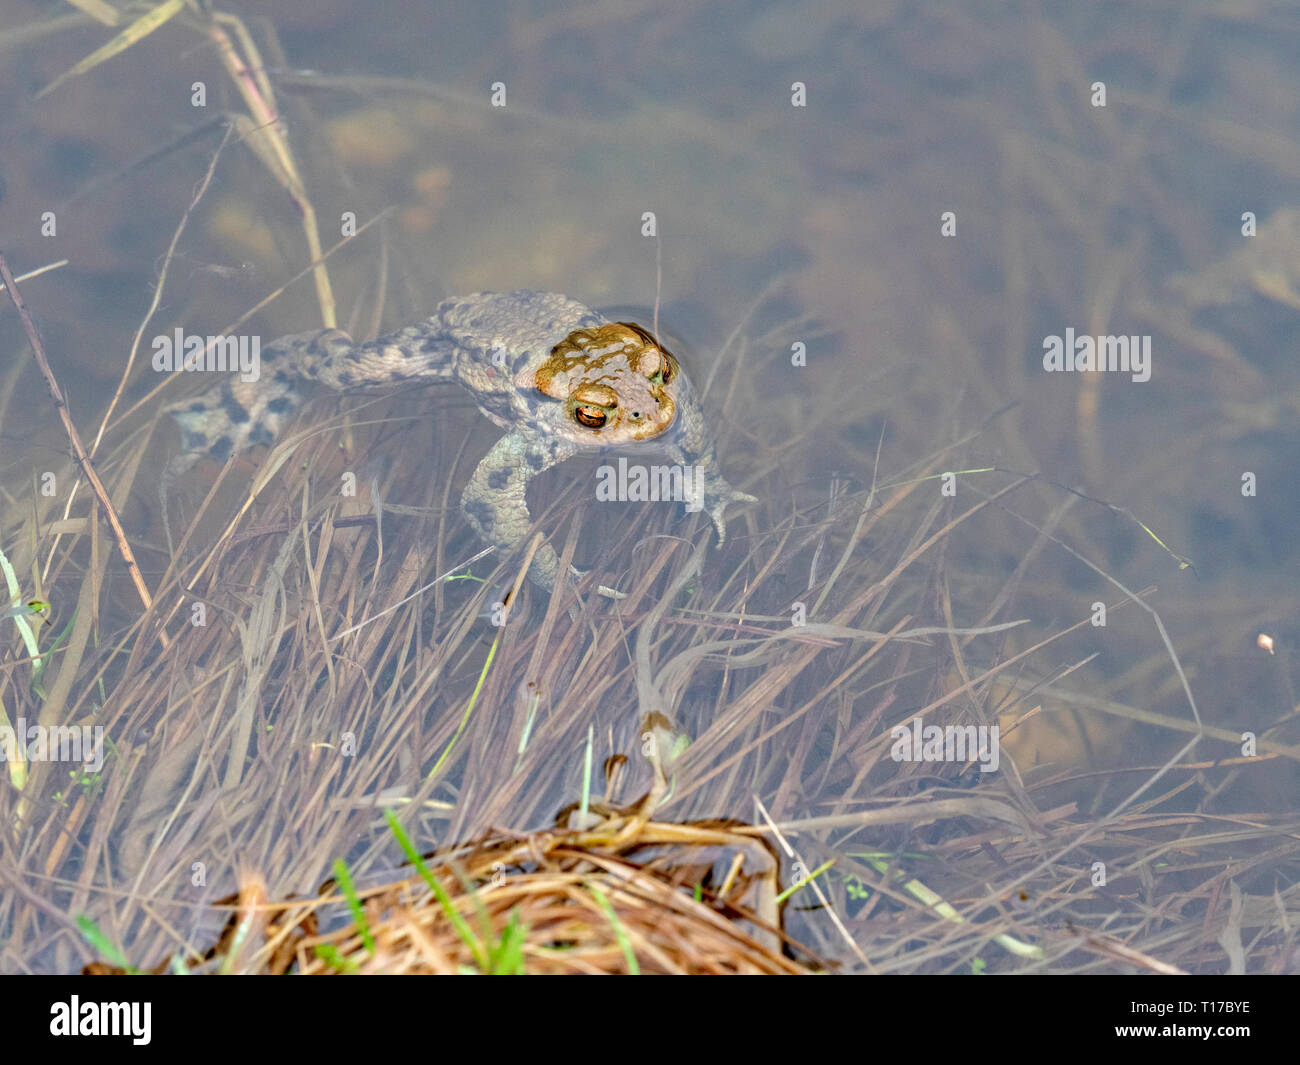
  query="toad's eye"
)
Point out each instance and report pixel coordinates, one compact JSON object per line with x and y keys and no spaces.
{"x":666,"y":372}
{"x":594,"y":406}
{"x":656,"y":366}
{"x":590,"y":416}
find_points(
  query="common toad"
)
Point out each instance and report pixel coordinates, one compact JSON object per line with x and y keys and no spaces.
{"x":556,"y":376}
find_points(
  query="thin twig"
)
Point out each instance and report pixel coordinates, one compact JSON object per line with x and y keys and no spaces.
{"x":78,"y":449}
{"x":161,"y":284}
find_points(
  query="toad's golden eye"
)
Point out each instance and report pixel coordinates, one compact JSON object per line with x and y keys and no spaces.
{"x":667,"y":370}
{"x":591,"y":417}
{"x":594,"y":406}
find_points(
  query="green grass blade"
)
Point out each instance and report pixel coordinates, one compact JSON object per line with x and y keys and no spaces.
{"x":104,"y":947}
{"x":344,"y":880}
{"x":458,"y":922}
{"x":620,"y":933}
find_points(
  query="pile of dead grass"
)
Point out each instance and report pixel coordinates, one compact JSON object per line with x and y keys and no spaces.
{"x":627,"y":896}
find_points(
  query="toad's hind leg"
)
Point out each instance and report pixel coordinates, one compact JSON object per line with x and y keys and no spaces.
{"x":237,"y":414}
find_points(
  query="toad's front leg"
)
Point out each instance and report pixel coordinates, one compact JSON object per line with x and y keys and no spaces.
{"x":495,"y":499}
{"x":709,"y":490}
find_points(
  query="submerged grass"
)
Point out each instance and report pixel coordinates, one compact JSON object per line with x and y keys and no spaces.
{"x":281,"y":724}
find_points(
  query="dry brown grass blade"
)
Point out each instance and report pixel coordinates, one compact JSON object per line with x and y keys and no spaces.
{"x":1107,"y":947}
{"x":74,"y":438}
{"x":267,"y":138}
